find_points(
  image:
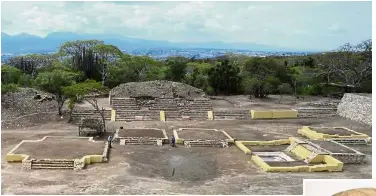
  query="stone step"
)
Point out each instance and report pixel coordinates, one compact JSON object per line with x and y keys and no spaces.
{"x":125,"y":106}
{"x":52,"y":161}
{"x":133,"y":119}
{"x":206,"y":144}
{"x":52,"y":165}
{"x":43,"y":167}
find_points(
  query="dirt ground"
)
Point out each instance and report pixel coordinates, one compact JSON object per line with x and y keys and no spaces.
{"x":60,"y":148}
{"x":167,"y":170}
{"x":196,"y":134}
{"x":342,"y":132}
{"x":332,"y":147}
{"x":141,"y":133}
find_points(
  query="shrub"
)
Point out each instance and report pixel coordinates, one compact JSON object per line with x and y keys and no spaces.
{"x":9,"y":88}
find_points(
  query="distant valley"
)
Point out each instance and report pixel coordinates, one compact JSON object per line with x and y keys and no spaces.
{"x":25,"y":43}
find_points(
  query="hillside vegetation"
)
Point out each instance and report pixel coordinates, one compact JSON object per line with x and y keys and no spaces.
{"x":93,"y":61}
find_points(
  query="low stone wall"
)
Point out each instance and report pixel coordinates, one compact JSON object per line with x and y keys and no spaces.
{"x":205,"y":143}
{"x":232,"y":114}
{"x":174,"y":104}
{"x":78,"y":114}
{"x":356,"y":107}
{"x":312,"y":112}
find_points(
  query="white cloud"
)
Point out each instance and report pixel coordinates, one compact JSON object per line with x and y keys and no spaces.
{"x":292,"y":24}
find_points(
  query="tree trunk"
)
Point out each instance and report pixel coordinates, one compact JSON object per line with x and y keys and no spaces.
{"x":101,"y":112}
{"x":103,"y":120}
{"x":59,"y":105}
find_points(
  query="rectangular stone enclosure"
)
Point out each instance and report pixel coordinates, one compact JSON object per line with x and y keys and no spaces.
{"x":339,"y":134}
{"x":58,"y":152}
{"x":202,"y":137}
{"x":339,"y":151}
{"x":137,"y":136}
{"x":59,"y":148}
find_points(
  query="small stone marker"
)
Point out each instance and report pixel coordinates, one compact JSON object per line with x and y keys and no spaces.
{"x":122,"y":142}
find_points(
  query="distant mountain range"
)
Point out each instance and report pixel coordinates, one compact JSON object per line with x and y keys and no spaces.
{"x":25,"y":43}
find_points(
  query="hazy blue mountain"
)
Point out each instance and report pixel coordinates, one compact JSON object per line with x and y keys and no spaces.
{"x":25,"y":43}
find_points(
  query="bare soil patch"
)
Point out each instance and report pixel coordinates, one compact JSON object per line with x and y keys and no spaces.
{"x":332,"y":147}
{"x":222,"y":104}
{"x":188,"y":165}
{"x":272,"y":148}
{"x":289,"y":163}
{"x":333,"y":131}
{"x":196,"y":134}
{"x":141,"y":133}
{"x":60,"y":148}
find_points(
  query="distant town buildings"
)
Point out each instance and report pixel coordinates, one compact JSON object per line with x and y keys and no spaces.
{"x":161,"y":54}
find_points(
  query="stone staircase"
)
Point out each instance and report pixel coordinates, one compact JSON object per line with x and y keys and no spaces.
{"x":140,"y":141}
{"x":205,"y":143}
{"x":196,"y":115}
{"x":77,"y":115}
{"x":124,"y":104}
{"x":316,"y":112}
{"x":137,"y":115}
{"x":310,"y":157}
{"x":52,"y":164}
{"x":353,"y":141}
{"x":201,"y":105}
{"x":232,"y":114}
{"x":173,"y":115}
{"x":292,"y":146}
{"x":165,"y":105}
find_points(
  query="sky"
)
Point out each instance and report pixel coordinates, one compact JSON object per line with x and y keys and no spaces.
{"x":300,"y":25}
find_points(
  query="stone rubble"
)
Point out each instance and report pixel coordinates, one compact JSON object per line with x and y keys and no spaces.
{"x":357,"y":107}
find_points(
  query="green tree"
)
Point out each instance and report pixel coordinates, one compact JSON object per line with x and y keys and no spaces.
{"x":177,"y":66}
{"x":89,"y":91}
{"x":224,"y":78}
{"x":284,"y":88}
{"x":30,"y":64}
{"x":262,"y":71}
{"x":54,"y":82}
{"x":9,"y":88}
{"x":10,"y":74}
{"x":106,"y":54}
{"x":82,"y":57}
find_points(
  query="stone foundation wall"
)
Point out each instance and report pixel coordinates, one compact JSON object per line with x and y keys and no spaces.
{"x":78,"y":114}
{"x":356,"y":107}
{"x":233,"y":114}
{"x":205,"y":143}
{"x":350,"y":157}
{"x":161,"y":104}
{"x":316,"y":112}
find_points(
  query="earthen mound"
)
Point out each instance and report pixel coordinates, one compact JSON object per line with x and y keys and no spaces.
{"x":26,"y":106}
{"x":156,"y":89}
{"x":358,"y":192}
